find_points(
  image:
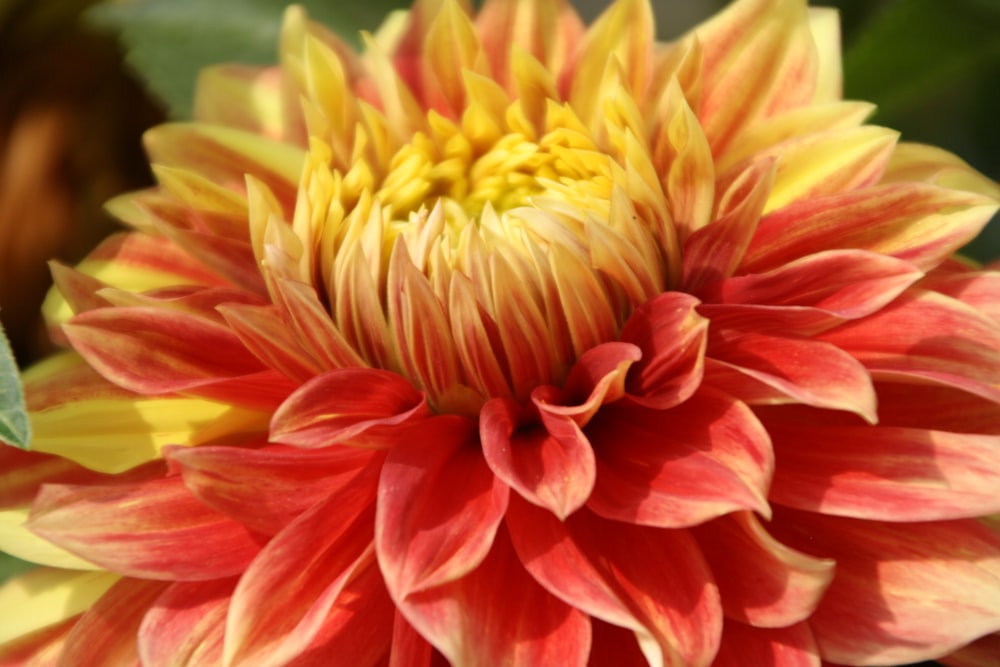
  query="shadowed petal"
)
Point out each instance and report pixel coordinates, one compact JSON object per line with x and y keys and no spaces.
{"x":498,"y":615}
{"x":315,"y":589}
{"x":154,"y":530}
{"x":743,"y":645}
{"x":903,"y":592}
{"x":438,"y":509}
{"x":680,"y":467}
{"x":762,"y":582}
{"x":653,"y":581}
{"x":184,"y":625}
{"x":105,"y":634}
{"x":980,"y":653}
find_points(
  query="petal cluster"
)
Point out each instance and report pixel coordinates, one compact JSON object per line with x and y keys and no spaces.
{"x":511,"y":340}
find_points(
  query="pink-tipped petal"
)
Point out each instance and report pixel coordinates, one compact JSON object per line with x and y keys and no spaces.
{"x":356,"y":406}
{"x":680,"y":467}
{"x":438,"y":509}
{"x":653,"y":581}
{"x":498,"y":615}
{"x":154,"y":530}
{"x":763,"y":583}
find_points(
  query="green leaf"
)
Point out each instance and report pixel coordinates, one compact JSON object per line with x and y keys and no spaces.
{"x":916,"y":50}
{"x":169,"y":41}
{"x":15,"y":429}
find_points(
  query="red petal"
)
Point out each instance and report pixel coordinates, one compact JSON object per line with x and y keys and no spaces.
{"x":105,"y":634}
{"x":680,"y":467}
{"x":266,"y":489}
{"x":267,"y":334}
{"x":153,"y":350}
{"x":671,"y":336}
{"x":550,"y":464}
{"x":314,"y":588}
{"x":742,"y":645}
{"x":356,"y":406}
{"x":762,"y":582}
{"x":903,"y":592}
{"x":979,"y":289}
{"x":805,"y":371}
{"x":981,"y":653}
{"x":614,"y":646}
{"x":887,"y":473}
{"x":154,"y":530}
{"x":846,"y":283}
{"x":653,"y":581}
{"x":22,"y":472}
{"x":928,"y":336}
{"x":936,"y":407}
{"x":497,"y":615}
{"x":439,"y":507}
{"x":313,"y":326}
{"x":184,"y":626}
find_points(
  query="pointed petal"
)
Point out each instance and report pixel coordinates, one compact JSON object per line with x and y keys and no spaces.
{"x":903,"y":592}
{"x":497,"y":615}
{"x":886,"y":473}
{"x":184,"y":625}
{"x":806,"y":371}
{"x":265,"y":489}
{"x":425,"y":538}
{"x":19,"y":542}
{"x":680,"y":467}
{"x":919,"y":223}
{"x":153,"y":350}
{"x":930,"y":164}
{"x":671,"y":336}
{"x":265,"y":333}
{"x":653,"y":581}
{"x":315,"y":584}
{"x":792,"y":646}
{"x":356,"y":406}
{"x":925,"y":336}
{"x":769,"y":585}
{"x":105,"y":634}
{"x":45,"y":596}
{"x":242,"y":97}
{"x":551,"y":463}
{"x":848,"y":283}
{"x":153,"y":530}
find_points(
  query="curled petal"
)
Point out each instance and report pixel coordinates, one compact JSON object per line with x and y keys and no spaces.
{"x":763,"y":583}
{"x":153,"y":530}
{"x":652,"y":581}
{"x":551,"y":463}
{"x":903,"y":592}
{"x":671,"y":336}
{"x":356,"y":406}
{"x":426,"y":538}
{"x":679,"y":467}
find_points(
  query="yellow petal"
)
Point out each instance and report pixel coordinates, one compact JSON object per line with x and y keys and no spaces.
{"x":113,"y":435}
{"x":20,"y":542}
{"x":824,"y":22}
{"x":46,"y":596}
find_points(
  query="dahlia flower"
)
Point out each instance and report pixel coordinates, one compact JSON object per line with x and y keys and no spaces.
{"x":515,"y":341}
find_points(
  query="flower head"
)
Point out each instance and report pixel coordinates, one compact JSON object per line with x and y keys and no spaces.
{"x":515,"y":341}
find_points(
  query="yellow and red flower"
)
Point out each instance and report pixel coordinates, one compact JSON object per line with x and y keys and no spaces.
{"x":516,"y":341}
